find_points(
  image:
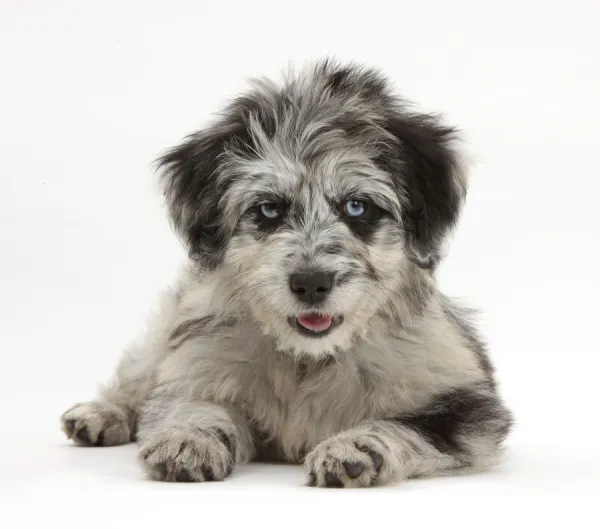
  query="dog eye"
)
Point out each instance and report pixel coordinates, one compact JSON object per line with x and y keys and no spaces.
{"x":270,"y":210}
{"x":355,"y":208}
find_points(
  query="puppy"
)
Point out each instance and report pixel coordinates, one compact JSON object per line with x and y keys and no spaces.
{"x":307,"y":325}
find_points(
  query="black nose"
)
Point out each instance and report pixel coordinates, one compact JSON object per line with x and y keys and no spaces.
{"x":311,"y":287}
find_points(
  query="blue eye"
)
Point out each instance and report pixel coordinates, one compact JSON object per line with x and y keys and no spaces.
{"x":355,"y":208}
{"x":270,"y":210}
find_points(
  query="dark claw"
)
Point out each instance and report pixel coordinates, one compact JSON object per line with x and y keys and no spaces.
{"x":208,"y":473}
{"x":224,"y":438}
{"x":100,"y":441}
{"x":227,"y":441}
{"x":184,"y":477}
{"x":353,"y":468}
{"x":332,"y":480}
{"x":162,"y":470}
{"x":312,"y":479}
{"x":375,"y":457}
{"x":377,"y":460}
{"x":84,"y":435}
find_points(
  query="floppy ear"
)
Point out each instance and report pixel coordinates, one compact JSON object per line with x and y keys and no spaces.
{"x":192,"y":191}
{"x":432,"y":182}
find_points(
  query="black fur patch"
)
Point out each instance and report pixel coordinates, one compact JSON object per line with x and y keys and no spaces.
{"x":190,"y":184}
{"x":425,"y":169}
{"x":461,"y":411}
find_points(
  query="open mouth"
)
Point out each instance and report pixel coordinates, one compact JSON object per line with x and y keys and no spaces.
{"x":315,"y":324}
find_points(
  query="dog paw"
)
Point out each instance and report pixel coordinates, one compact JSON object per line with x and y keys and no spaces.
{"x":96,"y":424}
{"x":185,"y":455}
{"x":346,"y":461}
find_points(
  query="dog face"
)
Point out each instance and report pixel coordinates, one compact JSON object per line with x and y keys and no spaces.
{"x":316,"y":198}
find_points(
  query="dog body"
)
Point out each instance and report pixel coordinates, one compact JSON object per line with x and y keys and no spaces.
{"x":307,"y":325}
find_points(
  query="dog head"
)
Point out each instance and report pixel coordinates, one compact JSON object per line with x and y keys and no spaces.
{"x":316,"y":197}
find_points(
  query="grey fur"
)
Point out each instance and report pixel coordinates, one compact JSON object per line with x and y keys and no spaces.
{"x":401,"y":388}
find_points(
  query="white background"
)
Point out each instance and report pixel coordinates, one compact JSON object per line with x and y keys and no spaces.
{"x":92,"y":92}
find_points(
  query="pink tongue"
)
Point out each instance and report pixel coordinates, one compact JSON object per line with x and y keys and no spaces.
{"x":315,"y":322}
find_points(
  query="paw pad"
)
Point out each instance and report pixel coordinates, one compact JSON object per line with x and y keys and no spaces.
{"x":346,"y":462}
{"x":353,"y":468}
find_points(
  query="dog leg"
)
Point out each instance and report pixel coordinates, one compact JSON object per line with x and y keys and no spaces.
{"x":184,"y":440}
{"x":112,"y":418}
{"x":461,"y":428}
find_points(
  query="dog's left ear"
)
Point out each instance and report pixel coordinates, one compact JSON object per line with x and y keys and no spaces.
{"x":192,"y":191}
{"x":430,"y":175}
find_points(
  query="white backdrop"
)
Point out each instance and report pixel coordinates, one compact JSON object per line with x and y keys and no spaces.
{"x":92,"y":92}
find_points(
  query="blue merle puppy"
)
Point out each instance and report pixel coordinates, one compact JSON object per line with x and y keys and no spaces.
{"x":306,"y":325}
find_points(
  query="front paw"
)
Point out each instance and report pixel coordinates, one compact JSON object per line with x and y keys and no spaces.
{"x":186,"y":455}
{"x":347,"y":461}
{"x":96,"y":424}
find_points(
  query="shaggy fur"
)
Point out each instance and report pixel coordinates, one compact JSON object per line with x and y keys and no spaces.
{"x":399,"y":385}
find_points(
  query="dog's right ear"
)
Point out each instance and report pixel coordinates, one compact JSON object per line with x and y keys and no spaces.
{"x":192,"y":190}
